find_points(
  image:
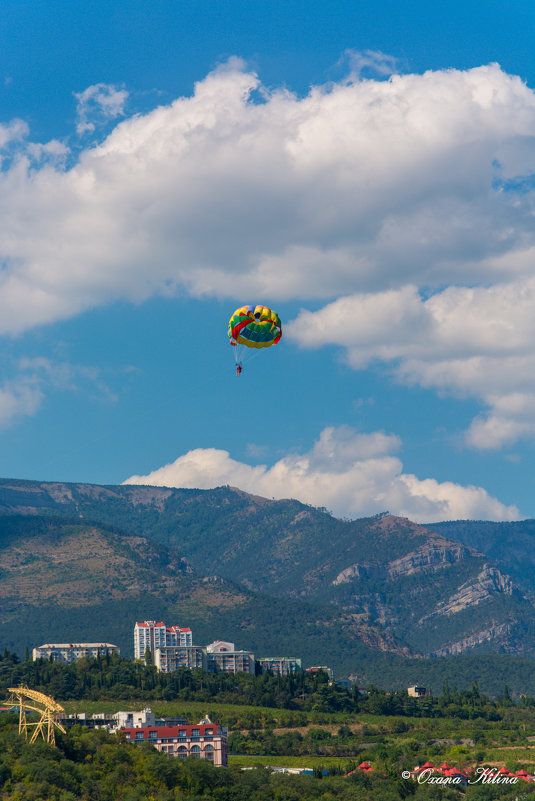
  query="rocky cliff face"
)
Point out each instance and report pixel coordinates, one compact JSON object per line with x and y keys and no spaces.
{"x":487,"y":583}
{"x":498,"y":633}
{"x":435,"y":554}
{"x":440,"y":597}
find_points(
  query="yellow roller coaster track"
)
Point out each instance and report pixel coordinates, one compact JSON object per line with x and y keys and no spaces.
{"x":32,"y":701}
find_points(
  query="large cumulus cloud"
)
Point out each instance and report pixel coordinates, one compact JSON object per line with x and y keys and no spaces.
{"x":352,"y":474}
{"x":357,"y":186}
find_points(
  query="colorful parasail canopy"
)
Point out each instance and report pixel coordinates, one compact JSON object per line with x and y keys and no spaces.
{"x":255,"y":327}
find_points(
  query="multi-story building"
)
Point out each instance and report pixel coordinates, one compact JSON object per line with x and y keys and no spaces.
{"x":70,"y":652}
{"x":180,"y":656}
{"x":153,"y":635}
{"x":222,"y":657}
{"x":206,"y":740}
{"x":172,"y":648}
{"x":279,"y":665}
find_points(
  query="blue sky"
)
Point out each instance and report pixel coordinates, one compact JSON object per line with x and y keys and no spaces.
{"x":366,"y":170}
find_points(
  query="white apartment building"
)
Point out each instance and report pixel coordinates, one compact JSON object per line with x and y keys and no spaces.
{"x":180,"y":656}
{"x":222,"y":657}
{"x":70,"y":652}
{"x":152,"y":635}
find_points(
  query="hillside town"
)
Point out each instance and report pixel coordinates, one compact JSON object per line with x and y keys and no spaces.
{"x":170,"y":648}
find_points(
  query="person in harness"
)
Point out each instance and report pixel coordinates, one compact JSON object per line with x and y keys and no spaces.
{"x":239,"y":368}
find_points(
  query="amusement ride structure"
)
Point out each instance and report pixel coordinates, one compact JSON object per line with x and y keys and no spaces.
{"x":31,"y":701}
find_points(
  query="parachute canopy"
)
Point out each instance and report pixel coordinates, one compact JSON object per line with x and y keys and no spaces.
{"x":255,"y":327}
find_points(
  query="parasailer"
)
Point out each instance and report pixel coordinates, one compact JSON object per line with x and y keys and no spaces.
{"x":253,"y":327}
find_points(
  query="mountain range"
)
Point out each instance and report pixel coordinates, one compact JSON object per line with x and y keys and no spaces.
{"x":84,"y":562}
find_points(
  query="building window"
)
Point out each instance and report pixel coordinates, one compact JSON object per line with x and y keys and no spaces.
{"x":196,"y":751}
{"x":139,"y":735}
{"x":182,"y":752}
{"x":209,"y":752}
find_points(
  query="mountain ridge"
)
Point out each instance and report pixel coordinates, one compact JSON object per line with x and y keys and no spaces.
{"x":394,"y":584}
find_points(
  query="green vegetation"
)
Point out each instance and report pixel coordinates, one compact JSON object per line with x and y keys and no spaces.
{"x":95,"y":766}
{"x":98,"y":767}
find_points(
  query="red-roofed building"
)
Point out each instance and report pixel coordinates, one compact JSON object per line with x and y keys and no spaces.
{"x":152,"y":635}
{"x":205,"y":740}
{"x":522,"y":774}
{"x":364,"y":766}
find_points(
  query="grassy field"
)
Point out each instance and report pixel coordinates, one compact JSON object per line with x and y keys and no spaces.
{"x":192,"y":710}
{"x":238,"y":715}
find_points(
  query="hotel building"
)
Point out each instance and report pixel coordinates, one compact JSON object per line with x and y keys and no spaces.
{"x":206,"y":740}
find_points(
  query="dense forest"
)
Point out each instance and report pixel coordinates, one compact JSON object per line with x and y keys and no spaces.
{"x":116,"y":678}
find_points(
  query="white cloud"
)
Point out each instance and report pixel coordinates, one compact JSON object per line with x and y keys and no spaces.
{"x":67,"y":377}
{"x":35,"y":379}
{"x":352,"y":474}
{"x":373,"y":61}
{"x":473,"y":342}
{"x":53,"y":152}
{"x":97,"y":105}
{"x":358,"y":186}
{"x":14,"y":131}
{"x":19,"y":398}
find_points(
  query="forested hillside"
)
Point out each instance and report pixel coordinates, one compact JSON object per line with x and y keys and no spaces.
{"x":273,"y":576}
